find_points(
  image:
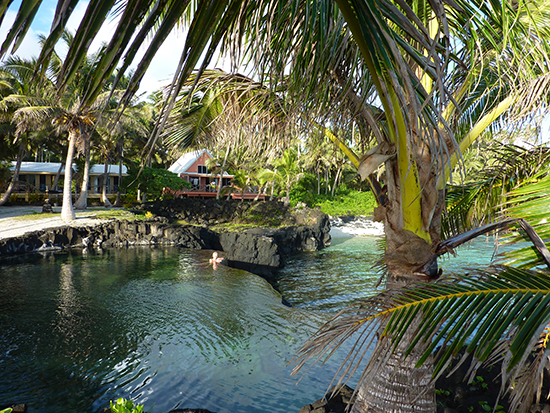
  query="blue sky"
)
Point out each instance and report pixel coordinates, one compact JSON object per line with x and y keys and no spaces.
{"x":160,"y":71}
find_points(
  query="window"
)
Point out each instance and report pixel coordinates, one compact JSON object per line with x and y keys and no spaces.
{"x":203,"y":169}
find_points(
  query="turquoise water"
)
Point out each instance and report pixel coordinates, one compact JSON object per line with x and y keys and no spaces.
{"x":348,"y":270}
{"x":169,"y":331}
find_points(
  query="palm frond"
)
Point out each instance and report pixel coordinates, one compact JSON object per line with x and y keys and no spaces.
{"x":488,"y":198}
{"x":530,"y":202}
{"x":473,"y":312}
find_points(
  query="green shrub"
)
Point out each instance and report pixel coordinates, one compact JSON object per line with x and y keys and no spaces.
{"x":345,"y":201}
{"x":125,"y":406}
{"x":152,"y":181}
{"x":36,"y":198}
{"x":129,"y":200}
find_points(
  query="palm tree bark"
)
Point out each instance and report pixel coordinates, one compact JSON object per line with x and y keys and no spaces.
{"x":118,"y":201}
{"x":336,"y":179}
{"x":400,"y":387}
{"x":82,"y":201}
{"x":55,"y":181}
{"x":67,"y":211}
{"x":222,"y":170}
{"x":104,"y":197}
{"x":15,"y":177}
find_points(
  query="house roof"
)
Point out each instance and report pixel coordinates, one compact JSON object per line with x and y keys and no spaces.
{"x":39,"y":167}
{"x":186,"y":160}
{"x":99,"y":169}
{"x":53,"y":167}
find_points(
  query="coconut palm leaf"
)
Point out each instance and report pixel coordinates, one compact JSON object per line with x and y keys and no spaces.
{"x":507,"y":307}
{"x":191,"y":123}
{"x":488,"y":198}
{"x":529,"y":201}
{"x":22,"y":23}
{"x":226,"y":110}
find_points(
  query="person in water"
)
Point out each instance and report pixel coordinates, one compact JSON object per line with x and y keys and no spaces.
{"x":215,"y":260}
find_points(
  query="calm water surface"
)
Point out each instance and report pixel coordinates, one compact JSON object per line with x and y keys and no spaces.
{"x":162,"y":327}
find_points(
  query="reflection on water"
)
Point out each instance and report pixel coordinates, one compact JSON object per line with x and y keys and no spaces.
{"x":163,"y":327}
{"x":159,"y":326}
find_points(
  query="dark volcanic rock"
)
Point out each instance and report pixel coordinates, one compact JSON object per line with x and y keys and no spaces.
{"x":260,"y":250}
{"x":336,"y":403}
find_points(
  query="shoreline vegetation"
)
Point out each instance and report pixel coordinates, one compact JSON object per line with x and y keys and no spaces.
{"x":345,"y":201}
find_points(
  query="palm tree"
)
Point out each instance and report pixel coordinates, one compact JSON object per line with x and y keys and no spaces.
{"x":68,"y":115}
{"x":285,"y":171}
{"x":240,"y":182}
{"x":16,"y":84}
{"x":496,"y":315}
{"x":406,"y":71}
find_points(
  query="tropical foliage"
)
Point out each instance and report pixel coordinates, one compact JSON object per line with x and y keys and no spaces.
{"x":151,"y":181}
{"x":346,"y":201}
{"x":125,"y":406}
{"x":409,"y":85}
{"x":486,"y":197}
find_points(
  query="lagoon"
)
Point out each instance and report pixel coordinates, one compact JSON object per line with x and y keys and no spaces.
{"x":164,"y":328}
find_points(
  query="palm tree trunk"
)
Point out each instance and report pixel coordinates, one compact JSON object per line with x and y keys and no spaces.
{"x":318,"y":179}
{"x":15,"y":177}
{"x":287,"y":196}
{"x":82,"y":201}
{"x":118,"y":201}
{"x":56,"y":181}
{"x":104,"y":197}
{"x":67,"y":211}
{"x":336,"y":178}
{"x":222,"y":170}
{"x":399,"y":386}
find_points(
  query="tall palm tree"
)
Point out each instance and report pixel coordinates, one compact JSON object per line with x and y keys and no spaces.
{"x":68,"y":115}
{"x":495,"y":315}
{"x":16,"y":86}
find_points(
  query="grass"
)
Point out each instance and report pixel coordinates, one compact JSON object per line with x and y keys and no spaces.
{"x":88,"y":213}
{"x":347,"y":203}
{"x":112,"y":214}
{"x":233,"y":227}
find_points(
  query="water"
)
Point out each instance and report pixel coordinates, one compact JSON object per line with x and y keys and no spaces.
{"x":162,"y":327}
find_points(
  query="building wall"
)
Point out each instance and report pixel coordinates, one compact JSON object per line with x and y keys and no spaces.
{"x":189,"y":175}
{"x":200,"y":161}
{"x":41,"y":182}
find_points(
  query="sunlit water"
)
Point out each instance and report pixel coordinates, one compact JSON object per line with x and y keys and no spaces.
{"x":165,"y":329}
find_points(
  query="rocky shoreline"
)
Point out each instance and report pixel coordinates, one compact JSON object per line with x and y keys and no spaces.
{"x":261,"y":250}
